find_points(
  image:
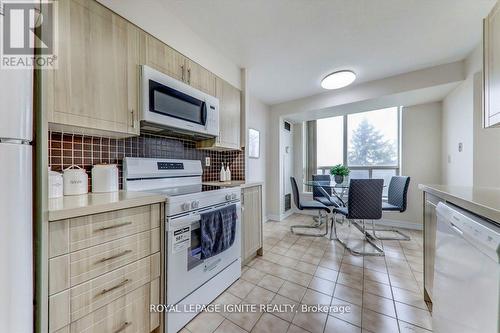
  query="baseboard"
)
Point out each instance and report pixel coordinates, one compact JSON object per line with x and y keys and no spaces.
{"x":281,"y":217}
{"x":401,"y":224}
{"x":383,"y":222}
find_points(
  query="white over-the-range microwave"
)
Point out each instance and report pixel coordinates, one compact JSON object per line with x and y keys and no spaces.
{"x":171,"y":106}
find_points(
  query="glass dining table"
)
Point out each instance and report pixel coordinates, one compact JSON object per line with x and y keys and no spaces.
{"x":336,"y":190}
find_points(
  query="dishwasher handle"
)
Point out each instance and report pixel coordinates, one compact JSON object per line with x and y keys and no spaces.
{"x":457,"y":229}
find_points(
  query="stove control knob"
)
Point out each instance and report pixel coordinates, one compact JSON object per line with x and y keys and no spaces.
{"x":228,"y":197}
{"x":195,"y":204}
{"x":186,"y":206}
{"x":233,"y":196}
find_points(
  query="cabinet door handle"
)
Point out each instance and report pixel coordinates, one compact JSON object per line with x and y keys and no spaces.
{"x":132,"y":114}
{"x":121,"y":254}
{"x":123,"y":326}
{"x":182,"y":72}
{"x":114,"y":226}
{"x":189,"y":76}
{"x":121,"y":284}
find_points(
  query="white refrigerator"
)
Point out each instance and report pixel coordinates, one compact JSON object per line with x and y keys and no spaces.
{"x":16,"y":245}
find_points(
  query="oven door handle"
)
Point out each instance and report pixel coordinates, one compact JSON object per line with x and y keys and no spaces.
{"x":175,"y":223}
{"x":180,"y":222}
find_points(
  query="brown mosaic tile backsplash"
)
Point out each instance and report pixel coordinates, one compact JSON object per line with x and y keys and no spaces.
{"x":86,"y":151}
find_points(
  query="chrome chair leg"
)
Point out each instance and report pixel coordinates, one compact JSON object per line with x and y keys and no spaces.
{"x":404,"y":237}
{"x":362,"y":228}
{"x":323,"y":220}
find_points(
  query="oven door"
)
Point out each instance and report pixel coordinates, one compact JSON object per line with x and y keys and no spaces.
{"x":186,"y":272}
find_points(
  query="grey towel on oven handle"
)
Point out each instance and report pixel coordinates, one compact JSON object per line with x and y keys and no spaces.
{"x":218,"y":231}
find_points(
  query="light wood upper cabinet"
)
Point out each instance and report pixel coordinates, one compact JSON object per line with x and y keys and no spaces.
{"x":230,"y":109}
{"x":136,"y":54}
{"x":164,"y":58}
{"x":491,"y":70}
{"x":251,"y":222}
{"x":200,"y":78}
{"x":94,"y":86}
{"x":167,"y":60}
{"x":229,"y":118}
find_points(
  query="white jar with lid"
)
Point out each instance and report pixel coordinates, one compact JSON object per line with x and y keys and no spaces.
{"x":76,"y":181}
{"x":55,"y":184}
{"x":104,"y":178}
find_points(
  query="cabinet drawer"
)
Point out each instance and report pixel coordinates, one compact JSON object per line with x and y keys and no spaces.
{"x":128,"y":314}
{"x":83,"y":232}
{"x":89,"y":296}
{"x":92,"y":262}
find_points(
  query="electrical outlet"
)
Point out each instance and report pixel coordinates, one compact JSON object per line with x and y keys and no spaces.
{"x":460,"y":147}
{"x":207,"y":161}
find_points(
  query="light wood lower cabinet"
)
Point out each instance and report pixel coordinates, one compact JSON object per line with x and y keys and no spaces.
{"x":251,"y":230}
{"x":129,"y":313}
{"x":430,"y":224}
{"x":104,"y":271}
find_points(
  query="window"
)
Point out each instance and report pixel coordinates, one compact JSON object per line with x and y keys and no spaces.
{"x":367,"y":142}
{"x":372,"y":138}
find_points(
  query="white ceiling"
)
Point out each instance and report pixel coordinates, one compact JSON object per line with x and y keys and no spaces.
{"x":289,"y":45}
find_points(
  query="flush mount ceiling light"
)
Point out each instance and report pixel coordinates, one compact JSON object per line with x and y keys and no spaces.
{"x":339,"y":79}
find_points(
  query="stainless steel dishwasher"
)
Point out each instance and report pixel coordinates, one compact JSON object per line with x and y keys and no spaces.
{"x":466,"y":276}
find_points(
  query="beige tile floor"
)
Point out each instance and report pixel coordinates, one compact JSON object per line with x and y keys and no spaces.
{"x":384,"y":294}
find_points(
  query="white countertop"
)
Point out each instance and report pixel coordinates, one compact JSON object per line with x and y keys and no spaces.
{"x":479,"y":200}
{"x":94,"y":203}
{"x":234,"y":183}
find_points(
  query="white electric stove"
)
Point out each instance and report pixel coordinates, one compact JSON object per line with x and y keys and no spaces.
{"x":190,"y":281}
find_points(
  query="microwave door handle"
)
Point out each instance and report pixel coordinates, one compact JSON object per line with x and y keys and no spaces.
{"x":204,"y":113}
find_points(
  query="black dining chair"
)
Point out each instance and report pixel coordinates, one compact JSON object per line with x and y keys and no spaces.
{"x":319,"y":195}
{"x":364,"y":203}
{"x":324,"y":194}
{"x":397,"y":200}
{"x":309,"y":205}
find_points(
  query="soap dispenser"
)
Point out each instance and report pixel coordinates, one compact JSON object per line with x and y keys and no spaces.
{"x":228,"y":173}
{"x":222,"y":176}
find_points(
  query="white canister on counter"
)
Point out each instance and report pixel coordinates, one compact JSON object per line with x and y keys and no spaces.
{"x":104,"y":178}
{"x":76,"y":181}
{"x":55,"y":184}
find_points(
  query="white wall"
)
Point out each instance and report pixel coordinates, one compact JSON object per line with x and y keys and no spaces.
{"x":258,"y":119}
{"x":462,"y":112}
{"x":458,"y":128}
{"x":155,"y":17}
{"x":256,"y":168}
{"x":420,"y":156}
